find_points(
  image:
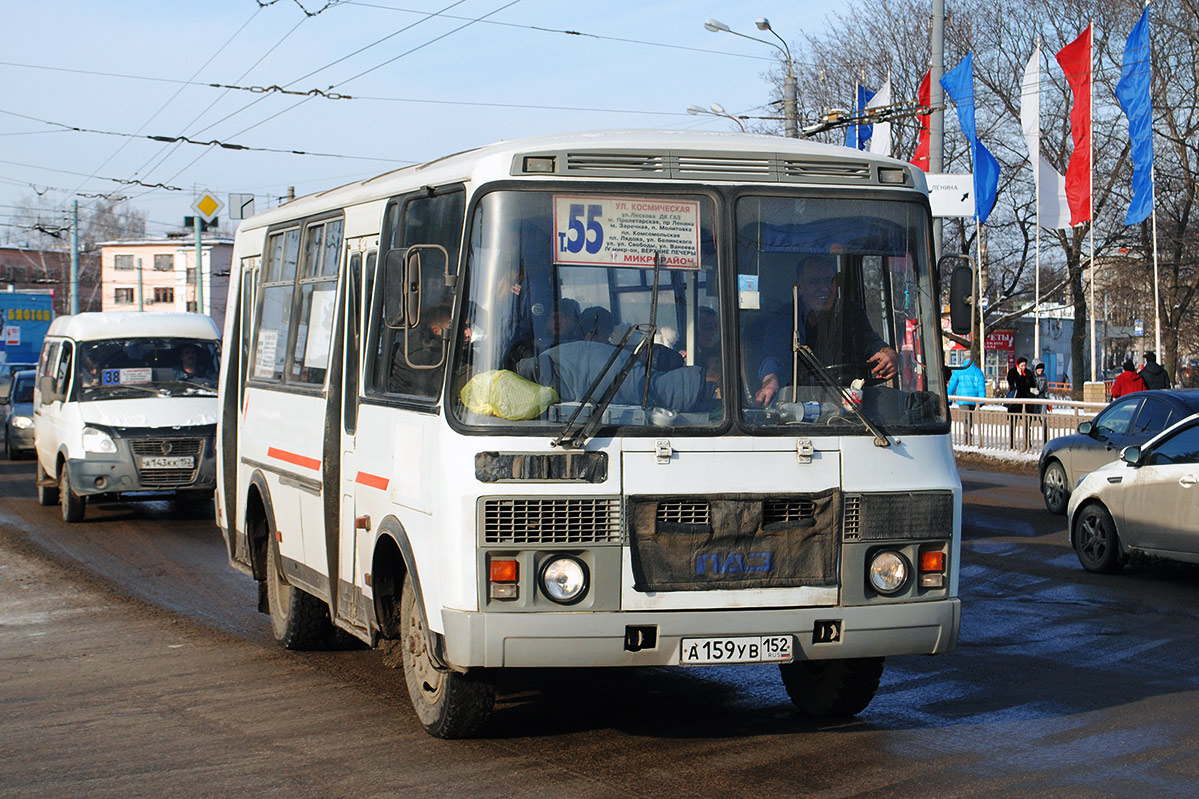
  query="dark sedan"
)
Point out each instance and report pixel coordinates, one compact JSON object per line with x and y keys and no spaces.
{"x":1128,"y":421}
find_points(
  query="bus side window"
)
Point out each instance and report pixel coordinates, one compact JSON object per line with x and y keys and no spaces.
{"x":409,"y":360}
{"x":317,"y":291}
{"x":274,"y":305}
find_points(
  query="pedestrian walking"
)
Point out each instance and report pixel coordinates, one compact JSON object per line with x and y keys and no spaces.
{"x":1153,"y":375}
{"x":968,"y":381}
{"x":1127,"y":382}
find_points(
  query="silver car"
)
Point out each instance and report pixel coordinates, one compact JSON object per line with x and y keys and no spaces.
{"x":16,"y":406}
{"x":1146,"y":502}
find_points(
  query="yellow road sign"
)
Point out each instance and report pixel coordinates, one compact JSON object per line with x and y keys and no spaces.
{"x":207,"y":205}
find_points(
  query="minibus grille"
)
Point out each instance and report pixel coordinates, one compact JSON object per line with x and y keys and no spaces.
{"x":167,"y":478}
{"x":897,"y":515}
{"x":579,"y":520}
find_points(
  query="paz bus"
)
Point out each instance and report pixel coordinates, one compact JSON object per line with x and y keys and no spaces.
{"x":573,"y":401}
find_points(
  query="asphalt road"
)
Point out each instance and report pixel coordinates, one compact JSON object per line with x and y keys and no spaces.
{"x":133,"y":663}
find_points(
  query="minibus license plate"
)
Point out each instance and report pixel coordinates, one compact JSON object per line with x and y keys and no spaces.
{"x":738,"y":649}
{"x":178,"y":462}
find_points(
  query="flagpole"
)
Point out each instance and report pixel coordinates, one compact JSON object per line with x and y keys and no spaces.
{"x":1091,"y":186}
{"x":1157,"y":314}
{"x":1036,"y":170}
{"x":982,"y":325}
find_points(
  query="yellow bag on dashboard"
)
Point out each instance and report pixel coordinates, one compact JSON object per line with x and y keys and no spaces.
{"x":507,"y":395}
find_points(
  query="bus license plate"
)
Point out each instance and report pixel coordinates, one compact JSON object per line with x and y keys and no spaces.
{"x":178,"y":462}
{"x":739,"y":649}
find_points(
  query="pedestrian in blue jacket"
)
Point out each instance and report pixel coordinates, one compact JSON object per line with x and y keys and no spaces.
{"x":968,"y":381}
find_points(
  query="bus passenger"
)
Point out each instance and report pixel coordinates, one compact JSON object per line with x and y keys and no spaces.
{"x":836,"y":329}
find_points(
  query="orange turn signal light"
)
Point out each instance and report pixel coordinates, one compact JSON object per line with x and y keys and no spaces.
{"x":504,"y":571}
{"x":932,"y":561}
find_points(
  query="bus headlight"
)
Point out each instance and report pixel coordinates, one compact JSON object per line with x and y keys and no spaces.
{"x":888,"y":571}
{"x":564,"y":579}
{"x":98,"y":441}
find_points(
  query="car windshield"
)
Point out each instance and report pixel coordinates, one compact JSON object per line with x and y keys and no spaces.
{"x":23,"y":390}
{"x":561,"y":292}
{"x":837,"y":313}
{"x":123,"y":368}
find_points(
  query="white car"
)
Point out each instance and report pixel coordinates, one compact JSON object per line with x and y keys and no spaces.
{"x":1146,"y":502}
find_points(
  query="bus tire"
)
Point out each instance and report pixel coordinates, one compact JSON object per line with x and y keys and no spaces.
{"x":46,"y":494}
{"x":448,"y":704}
{"x":299,"y":620}
{"x":831,"y":688}
{"x":73,"y":505}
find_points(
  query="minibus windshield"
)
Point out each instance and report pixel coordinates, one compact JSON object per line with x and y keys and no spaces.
{"x":130,"y":367}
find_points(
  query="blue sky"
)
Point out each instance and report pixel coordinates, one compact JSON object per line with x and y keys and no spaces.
{"x":543,"y":76}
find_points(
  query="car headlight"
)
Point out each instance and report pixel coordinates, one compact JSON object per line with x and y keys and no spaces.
{"x":98,"y":441}
{"x":889,"y":571}
{"x":22,"y":422}
{"x":564,"y":579}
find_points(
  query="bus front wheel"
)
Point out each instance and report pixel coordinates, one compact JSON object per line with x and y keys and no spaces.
{"x":832,"y":688}
{"x":448,"y":704}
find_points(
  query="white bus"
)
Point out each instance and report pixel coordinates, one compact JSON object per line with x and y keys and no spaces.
{"x":613,"y":399}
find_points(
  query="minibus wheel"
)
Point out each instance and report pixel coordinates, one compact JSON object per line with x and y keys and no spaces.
{"x":299,"y":620}
{"x":448,"y":704}
{"x":73,"y":504}
{"x":832,"y":688}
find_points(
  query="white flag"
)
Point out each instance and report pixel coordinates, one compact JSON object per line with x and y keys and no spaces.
{"x":880,"y":139}
{"x":1054,"y":210}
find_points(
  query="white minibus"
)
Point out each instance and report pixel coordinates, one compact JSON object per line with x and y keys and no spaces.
{"x":125,"y":406}
{"x":608,"y":399}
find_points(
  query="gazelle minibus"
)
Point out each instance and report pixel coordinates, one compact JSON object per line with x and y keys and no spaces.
{"x":610,"y":399}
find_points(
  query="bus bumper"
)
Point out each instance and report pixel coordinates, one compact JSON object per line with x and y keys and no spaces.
{"x":515,"y":640}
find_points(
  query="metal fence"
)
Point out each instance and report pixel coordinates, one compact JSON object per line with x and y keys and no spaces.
{"x":1016,"y":425}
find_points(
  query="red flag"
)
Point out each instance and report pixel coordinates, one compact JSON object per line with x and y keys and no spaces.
{"x":925,"y":98}
{"x":1075,"y":59}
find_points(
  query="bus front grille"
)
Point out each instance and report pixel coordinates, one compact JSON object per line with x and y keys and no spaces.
{"x":897,"y":515}
{"x":551,"y":521}
{"x":787,"y":510}
{"x":684,"y":511}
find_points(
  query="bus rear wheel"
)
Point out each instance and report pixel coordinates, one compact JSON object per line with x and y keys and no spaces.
{"x":832,"y":688}
{"x":299,"y":620}
{"x":448,"y":704}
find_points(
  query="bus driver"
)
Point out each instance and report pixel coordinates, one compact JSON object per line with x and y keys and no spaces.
{"x":837,"y":332}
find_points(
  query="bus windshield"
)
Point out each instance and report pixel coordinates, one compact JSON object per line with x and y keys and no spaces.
{"x":837,"y":314}
{"x":133,"y":367}
{"x":556,"y":281}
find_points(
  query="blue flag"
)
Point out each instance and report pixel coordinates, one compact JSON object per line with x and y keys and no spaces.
{"x":959,"y":85}
{"x":859,"y":135}
{"x":1135,"y":98}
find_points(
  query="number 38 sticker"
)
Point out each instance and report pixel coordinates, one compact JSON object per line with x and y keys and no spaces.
{"x":626,"y":231}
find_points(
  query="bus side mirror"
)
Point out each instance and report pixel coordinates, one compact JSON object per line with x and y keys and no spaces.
{"x":395,"y":287}
{"x":961,"y":298}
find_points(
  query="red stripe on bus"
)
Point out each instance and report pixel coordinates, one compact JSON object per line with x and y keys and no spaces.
{"x":372,"y":481}
{"x":293,"y":458}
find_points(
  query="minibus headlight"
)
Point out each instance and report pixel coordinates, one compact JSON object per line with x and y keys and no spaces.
{"x":564,"y":579}
{"x":888,"y":571}
{"x":98,"y":441}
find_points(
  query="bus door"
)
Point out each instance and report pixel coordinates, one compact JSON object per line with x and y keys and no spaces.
{"x":353,"y":529}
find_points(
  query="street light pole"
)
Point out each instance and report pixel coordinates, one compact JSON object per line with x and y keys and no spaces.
{"x":790,"y":112}
{"x":715,"y":109}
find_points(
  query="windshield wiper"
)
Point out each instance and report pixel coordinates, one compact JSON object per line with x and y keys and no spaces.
{"x":648,"y":333}
{"x":814,"y":364}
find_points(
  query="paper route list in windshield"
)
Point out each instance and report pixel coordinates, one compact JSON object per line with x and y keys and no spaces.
{"x":626,"y":231}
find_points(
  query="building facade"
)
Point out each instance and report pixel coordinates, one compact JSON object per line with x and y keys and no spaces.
{"x":159,"y":275}
{"x":29,"y":269}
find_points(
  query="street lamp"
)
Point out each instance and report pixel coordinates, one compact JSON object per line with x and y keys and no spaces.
{"x":790,"y":116}
{"x":715,"y":109}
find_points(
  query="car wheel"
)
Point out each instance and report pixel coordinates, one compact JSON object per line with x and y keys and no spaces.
{"x":448,"y":704}
{"x":1095,"y":540}
{"x":831,"y":688}
{"x":299,"y":620}
{"x":46,"y":494}
{"x":1055,"y":488}
{"x":73,"y":505}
